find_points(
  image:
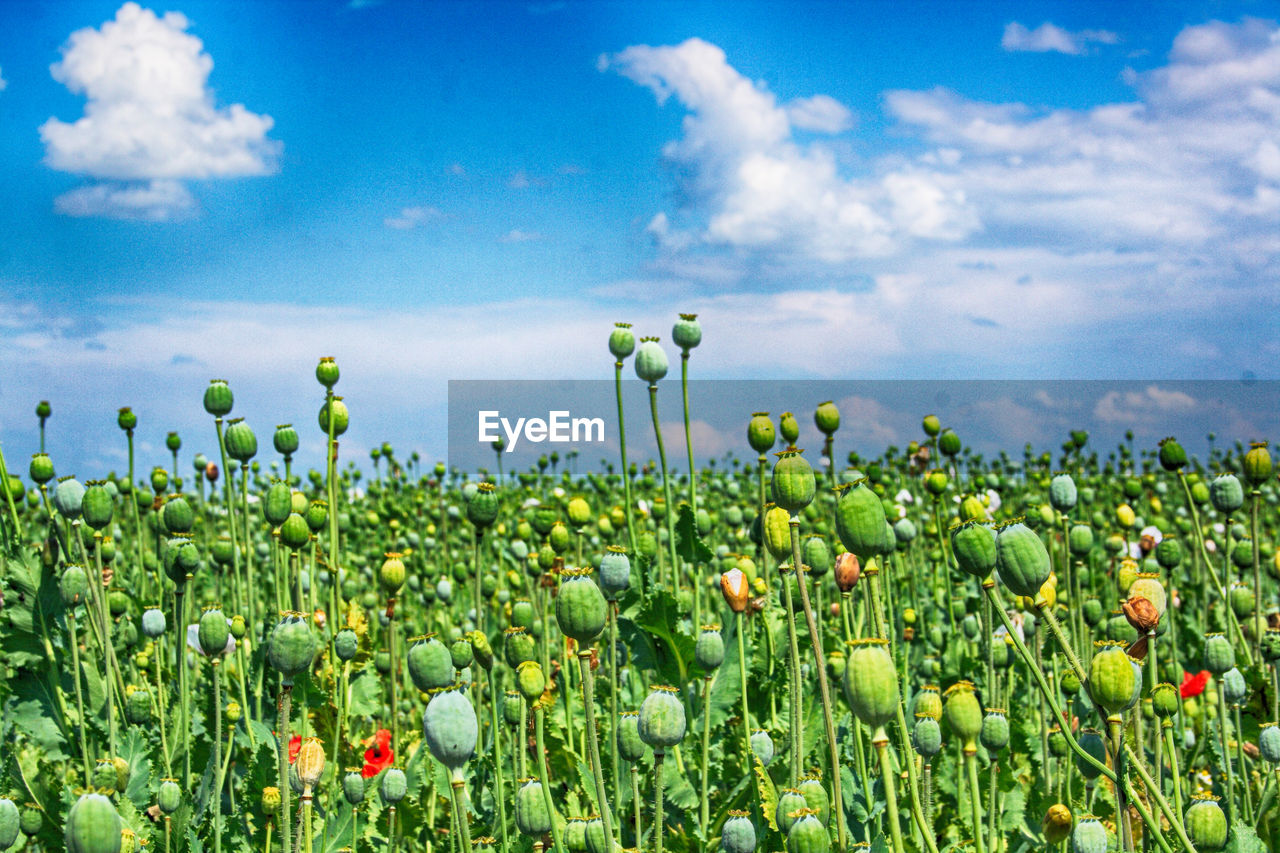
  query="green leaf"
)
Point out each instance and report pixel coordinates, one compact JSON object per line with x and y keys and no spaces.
{"x":688,"y":544}
{"x":768,"y":794}
{"x":366,"y":695}
{"x":1013,"y":809}
{"x":1244,"y":840}
{"x":135,"y":750}
{"x":655,"y":641}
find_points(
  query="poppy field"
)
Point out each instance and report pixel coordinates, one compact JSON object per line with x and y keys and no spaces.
{"x":806,"y":649}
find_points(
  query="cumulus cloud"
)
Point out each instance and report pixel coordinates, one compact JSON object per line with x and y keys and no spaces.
{"x":1048,"y":38}
{"x":751,"y":185}
{"x":150,"y":119}
{"x":517,"y":235}
{"x":1142,"y":407}
{"x":412,"y":217}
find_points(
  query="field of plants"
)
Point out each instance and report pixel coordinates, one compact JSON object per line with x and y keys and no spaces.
{"x":885,"y":649}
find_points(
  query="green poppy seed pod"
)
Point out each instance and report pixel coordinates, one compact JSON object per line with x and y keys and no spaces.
{"x":762,"y":746}
{"x":760,"y":434}
{"x":559,"y":538}
{"x":662,"y":718}
{"x":926,"y":737}
{"x":213,"y":632}
{"x":709,"y":649}
{"x":974,"y":546}
{"x":1233,"y":686}
{"x":1148,"y":586}
{"x":241,"y":443}
{"x":816,"y":554}
{"x":651,"y":361}
{"x":1219,"y":656}
{"x":1242,"y":599}
{"x":963,"y":713}
{"x":949,"y":443}
{"x":278,"y":503}
{"x":935,"y":482}
{"x":1206,"y":824}
{"x":1062,"y":493}
{"x":630,"y":745}
{"x":43,"y":410}
{"x":1226,"y":493}
{"x":512,"y":702}
{"x":777,"y":531}
{"x":73,"y":586}
{"x":159,"y":480}
{"x":393,"y":786}
{"x":104,"y":776}
{"x":995,"y":730}
{"x":1114,"y":683}
{"x":615,"y":572}
{"x":177,"y":516}
{"x":904,"y":531}
{"x":1091,"y":741}
{"x":93,"y":826}
{"x":9,"y":823}
{"x":827,"y":418}
{"x":1269,"y":743}
{"x":790,"y":801}
{"x":1070,"y":682}
{"x":581,"y":610}
{"x":1056,"y":825}
{"x":861,"y":523}
{"x":1089,"y":836}
{"x":1165,"y":700}
{"x":1172,"y":456}
{"x":871,"y":683}
{"x":928,"y":702}
{"x":1092,"y":612}
{"x":292,"y":646}
{"x":1271,"y":645}
{"x":931,"y":425}
{"x":353,"y":787}
{"x":327,"y":372}
{"x":794,"y":484}
{"x":285,"y":440}
{"x":430,"y":664}
{"x":96,"y":506}
{"x":41,"y":469}
{"x":218,"y":398}
{"x":594,"y":836}
{"x":808,"y":834}
{"x":462,"y":654}
{"x":815,"y":796}
{"x":153,"y":622}
{"x":169,"y":796}
{"x":1080,"y":540}
{"x":317,"y":515}
{"x":295,"y":533}
{"x":1021,"y":560}
{"x":238,"y":627}
{"x":1257,"y":464}
{"x":270,"y":801}
{"x":449,"y":724}
{"x":788,"y":427}
{"x":67,"y":497}
{"x":391,"y":573}
{"x":30,"y":819}
{"x":517,"y":646}
{"x":341,"y":417}
{"x":482,"y":509}
{"x":738,"y":835}
{"x":346,"y":644}
{"x":687,"y":333}
{"x":622,"y":341}
{"x":532,"y":817}
{"x":126,"y":419}
{"x":522,"y":613}
{"x":575,"y":835}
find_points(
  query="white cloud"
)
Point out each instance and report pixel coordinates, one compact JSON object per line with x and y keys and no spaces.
{"x":1048,"y":38}
{"x":1142,"y":407}
{"x":149,"y":114}
{"x":516,"y":235}
{"x":148,"y":201}
{"x":750,"y":185}
{"x":412,"y":217}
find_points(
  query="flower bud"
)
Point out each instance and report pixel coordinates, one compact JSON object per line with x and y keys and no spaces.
{"x":310,"y":762}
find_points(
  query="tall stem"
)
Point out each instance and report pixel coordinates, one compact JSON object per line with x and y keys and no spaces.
{"x":460,"y":810}
{"x":282,"y":760}
{"x":880,"y":741}
{"x":659,"y":822}
{"x":622,"y":451}
{"x":688,"y":439}
{"x":543,"y":775}
{"x":975,"y":794}
{"x":589,"y":705}
{"x":75,"y":663}
{"x":666,"y":485}
{"x":217,"y":756}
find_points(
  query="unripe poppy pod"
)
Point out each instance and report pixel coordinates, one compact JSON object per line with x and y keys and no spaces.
{"x":73,"y":586}
{"x":808,"y":834}
{"x":1269,"y":743}
{"x":575,"y":835}
{"x":213,"y":632}
{"x":762,"y":746}
{"x":1206,"y":823}
{"x":581,"y":610}
{"x":789,"y":427}
{"x":1021,"y":559}
{"x":429,"y":663}
{"x":67,"y":497}
{"x":760,"y":434}
{"x":278,"y":503}
{"x":394,"y":786}
{"x":295,"y":533}
{"x":861,"y":523}
{"x":871,"y":683}
{"x":341,"y":417}
{"x":96,"y":506}
{"x":1233,"y":687}
{"x":662,"y":718}
{"x":738,"y":835}
{"x":995,"y":730}
{"x":974,"y":546}
{"x":949,"y":443}
{"x":777,"y":531}
{"x":687,"y":333}
{"x":790,"y":801}
{"x":127,"y":419}
{"x":1062,"y":493}
{"x":530,"y":680}
{"x":815,"y":796}
{"x":1257,"y":464}
{"x":450,"y":726}
{"x":794,"y":483}
{"x":1172,"y":456}
{"x":391,"y":573}
{"x":1226,"y":493}
{"x":622,"y":342}
{"x":651,"y":361}
{"x":1114,"y":678}
{"x":709,"y":649}
{"x":963,"y":713}
{"x":1080,"y":540}
{"x":270,"y":799}
{"x":926,"y":737}
{"x":827,"y":418}
{"x":285,"y":440}
{"x":92,"y":826}
{"x":153,"y":622}
{"x":517,"y":646}
{"x":630,"y":745}
{"x":532,"y":817}
{"x":242,"y":444}
{"x":615,"y":572}
{"x":41,"y":469}
{"x":327,"y":372}
{"x":177,"y":515}
{"x":169,"y":796}
{"x":1091,"y":742}
{"x":482,"y":508}
{"x":1089,"y":836}
{"x":292,"y":646}
{"x":1219,"y":656}
{"x":353,"y":786}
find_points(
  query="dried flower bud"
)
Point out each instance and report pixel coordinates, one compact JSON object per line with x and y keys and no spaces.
{"x":847,"y":571}
{"x":1141,"y":613}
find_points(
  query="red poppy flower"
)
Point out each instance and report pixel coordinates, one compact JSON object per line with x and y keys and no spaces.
{"x":379,"y":756}
{"x":1193,"y":685}
{"x":295,"y":746}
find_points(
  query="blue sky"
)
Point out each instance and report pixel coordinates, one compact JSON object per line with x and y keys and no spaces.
{"x":434,"y":191}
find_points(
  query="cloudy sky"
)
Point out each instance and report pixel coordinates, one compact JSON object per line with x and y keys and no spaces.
{"x":435,"y":191}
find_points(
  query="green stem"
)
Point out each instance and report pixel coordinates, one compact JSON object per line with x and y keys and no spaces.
{"x":742,"y":676}
{"x":635,"y":801}
{"x":460,"y":809}
{"x":881,"y":742}
{"x":688,"y":438}
{"x":795,"y":733}
{"x":659,"y":821}
{"x":589,"y":706}
{"x":543,"y":775}
{"x":217,"y":756}
{"x":622,"y":450}
{"x":666,"y":486}
{"x":75,"y":663}
{"x":704,"y":811}
{"x":282,"y":760}
{"x":975,"y":794}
